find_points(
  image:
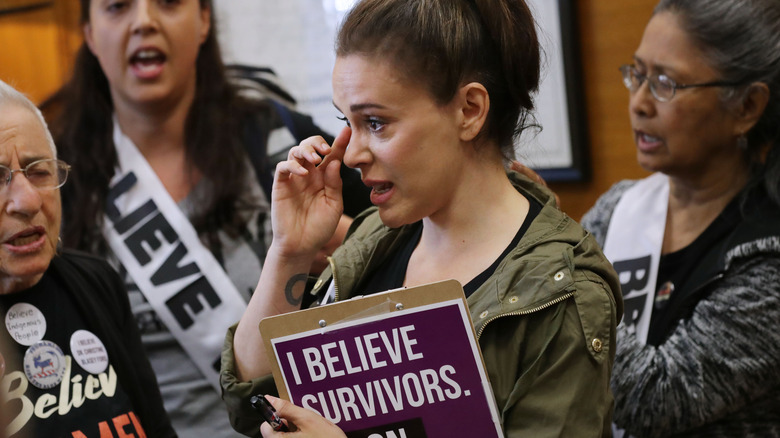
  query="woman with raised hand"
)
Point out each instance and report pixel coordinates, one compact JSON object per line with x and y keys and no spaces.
{"x":696,"y":244}
{"x":434,"y":93}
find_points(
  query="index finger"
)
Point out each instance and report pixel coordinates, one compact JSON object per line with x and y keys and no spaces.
{"x":339,"y":147}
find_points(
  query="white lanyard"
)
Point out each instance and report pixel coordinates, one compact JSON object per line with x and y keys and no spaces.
{"x":162,"y":253}
{"x":633,"y":245}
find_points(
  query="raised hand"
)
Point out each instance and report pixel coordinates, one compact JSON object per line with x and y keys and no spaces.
{"x":306,"y":198}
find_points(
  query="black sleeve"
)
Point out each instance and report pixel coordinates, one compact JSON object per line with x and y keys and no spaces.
{"x":355,"y":193}
{"x":98,"y":290}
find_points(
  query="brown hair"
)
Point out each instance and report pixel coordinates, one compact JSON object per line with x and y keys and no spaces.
{"x":81,"y":122}
{"x":447,"y":43}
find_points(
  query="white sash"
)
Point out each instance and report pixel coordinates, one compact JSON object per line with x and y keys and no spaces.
{"x":162,"y":253}
{"x":633,"y":245}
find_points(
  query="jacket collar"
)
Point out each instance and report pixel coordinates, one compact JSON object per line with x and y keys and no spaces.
{"x":558,"y":247}
{"x":555,"y":243}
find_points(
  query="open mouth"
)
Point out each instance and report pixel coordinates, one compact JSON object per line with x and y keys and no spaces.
{"x":647,"y":143}
{"x":382,"y":188}
{"x":25,"y":238}
{"x":147,"y":60}
{"x":649,"y":138}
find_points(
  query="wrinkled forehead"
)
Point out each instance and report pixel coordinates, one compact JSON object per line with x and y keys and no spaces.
{"x":22,"y":134}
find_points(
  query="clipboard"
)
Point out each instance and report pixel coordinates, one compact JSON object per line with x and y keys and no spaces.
{"x":385,"y":362}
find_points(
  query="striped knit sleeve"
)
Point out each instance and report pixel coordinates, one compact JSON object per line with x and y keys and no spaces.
{"x":596,"y":220}
{"x":722,"y":359}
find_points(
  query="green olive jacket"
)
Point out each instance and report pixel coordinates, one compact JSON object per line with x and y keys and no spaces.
{"x":545,"y":322}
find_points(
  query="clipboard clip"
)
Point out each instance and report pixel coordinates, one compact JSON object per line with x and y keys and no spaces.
{"x":385,"y":307}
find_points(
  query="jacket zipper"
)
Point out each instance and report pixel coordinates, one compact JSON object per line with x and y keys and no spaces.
{"x":525,"y":312}
{"x":335,"y":284}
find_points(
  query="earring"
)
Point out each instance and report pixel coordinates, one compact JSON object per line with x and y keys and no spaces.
{"x":742,"y":142}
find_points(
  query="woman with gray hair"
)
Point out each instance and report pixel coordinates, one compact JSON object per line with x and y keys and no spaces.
{"x":699,"y":351}
{"x":71,"y":361}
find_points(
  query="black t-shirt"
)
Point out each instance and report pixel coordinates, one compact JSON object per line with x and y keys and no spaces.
{"x":392,"y":272}
{"x":674,"y":268}
{"x":82,"y":405}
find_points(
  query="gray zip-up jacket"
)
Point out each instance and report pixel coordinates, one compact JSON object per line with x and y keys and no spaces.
{"x":545,"y":321}
{"x":717,"y":374}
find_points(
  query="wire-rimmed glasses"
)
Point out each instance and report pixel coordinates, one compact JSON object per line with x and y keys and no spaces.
{"x":662,"y":87}
{"x":46,"y":174}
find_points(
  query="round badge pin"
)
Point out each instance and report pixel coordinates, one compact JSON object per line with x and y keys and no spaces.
{"x":663,"y":295}
{"x":25,"y":323}
{"x":88,"y":351}
{"x":44,"y":364}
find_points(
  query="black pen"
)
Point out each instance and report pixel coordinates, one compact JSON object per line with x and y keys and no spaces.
{"x":268,"y":412}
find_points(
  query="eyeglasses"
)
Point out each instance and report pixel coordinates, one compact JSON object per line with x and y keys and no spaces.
{"x":47,"y":174}
{"x":661,"y":86}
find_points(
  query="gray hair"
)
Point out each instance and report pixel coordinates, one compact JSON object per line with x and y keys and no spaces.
{"x":10,"y":96}
{"x":741,"y":40}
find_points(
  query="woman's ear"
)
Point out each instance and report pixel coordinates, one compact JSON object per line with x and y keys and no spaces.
{"x":474,"y":106}
{"x":752,"y":107}
{"x":88,"y":40}
{"x":205,"y":18}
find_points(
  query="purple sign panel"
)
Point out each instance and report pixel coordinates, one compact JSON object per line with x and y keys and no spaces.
{"x":410,"y":373}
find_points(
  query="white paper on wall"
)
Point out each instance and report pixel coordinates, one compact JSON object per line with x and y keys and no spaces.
{"x":295,"y":38}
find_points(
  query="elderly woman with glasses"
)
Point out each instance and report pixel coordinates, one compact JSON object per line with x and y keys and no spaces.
{"x":72,"y":362}
{"x":697,"y":244}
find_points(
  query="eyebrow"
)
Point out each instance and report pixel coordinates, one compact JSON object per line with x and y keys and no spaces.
{"x":361,"y":106}
{"x":660,"y":68}
{"x":24,"y":161}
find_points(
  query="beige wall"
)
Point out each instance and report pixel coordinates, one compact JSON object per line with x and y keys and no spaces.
{"x":37,"y":46}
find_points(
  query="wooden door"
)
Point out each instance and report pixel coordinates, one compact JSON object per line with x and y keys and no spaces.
{"x":37,"y":42}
